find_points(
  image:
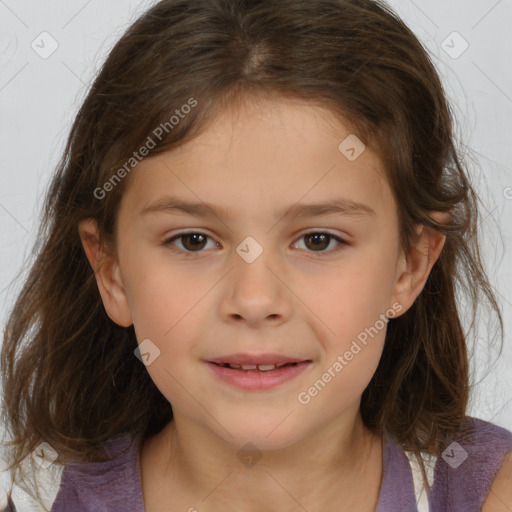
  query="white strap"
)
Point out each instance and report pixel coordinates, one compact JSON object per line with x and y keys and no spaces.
{"x":48,"y":481}
{"x":419,"y":486}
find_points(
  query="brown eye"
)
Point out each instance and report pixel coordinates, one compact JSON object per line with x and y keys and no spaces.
{"x":319,"y":242}
{"x":194,"y":241}
{"x":190,"y":242}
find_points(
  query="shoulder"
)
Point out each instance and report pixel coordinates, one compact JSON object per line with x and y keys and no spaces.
{"x":499,"y":498}
{"x":472,"y":467}
{"x":109,"y":485}
{"x":85,"y":486}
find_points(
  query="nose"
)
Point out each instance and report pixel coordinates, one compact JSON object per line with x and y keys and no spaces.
{"x":256,"y":293}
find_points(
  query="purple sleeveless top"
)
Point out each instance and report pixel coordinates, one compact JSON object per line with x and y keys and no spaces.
{"x":462,"y":476}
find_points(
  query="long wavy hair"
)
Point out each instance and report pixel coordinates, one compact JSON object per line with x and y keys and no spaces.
{"x":69,"y":374}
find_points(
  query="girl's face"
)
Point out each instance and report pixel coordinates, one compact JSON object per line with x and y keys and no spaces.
{"x":246,"y":278}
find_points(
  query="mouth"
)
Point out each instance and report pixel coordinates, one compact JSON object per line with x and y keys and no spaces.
{"x":258,"y":376}
{"x":263,"y":361}
{"x":255,"y":367}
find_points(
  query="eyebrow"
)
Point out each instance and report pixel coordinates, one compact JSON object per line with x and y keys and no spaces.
{"x":339,"y":206}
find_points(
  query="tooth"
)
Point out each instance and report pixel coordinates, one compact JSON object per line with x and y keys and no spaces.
{"x":266,"y":367}
{"x":248,"y":367}
{"x":234,"y":365}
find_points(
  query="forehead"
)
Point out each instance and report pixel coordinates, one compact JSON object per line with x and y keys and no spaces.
{"x":263,"y":154}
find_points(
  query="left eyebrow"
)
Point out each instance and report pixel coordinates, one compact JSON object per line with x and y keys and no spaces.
{"x":338,"y":206}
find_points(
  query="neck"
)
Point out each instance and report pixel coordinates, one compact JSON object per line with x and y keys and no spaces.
{"x":335,"y":461}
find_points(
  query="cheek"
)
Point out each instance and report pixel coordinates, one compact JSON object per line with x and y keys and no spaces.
{"x":357,"y":294}
{"x":354,"y":309}
{"x":168,"y":313}
{"x":158,"y":293}
{"x":354,"y":312}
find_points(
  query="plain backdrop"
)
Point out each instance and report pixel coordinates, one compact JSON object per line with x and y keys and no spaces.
{"x":51,"y":50}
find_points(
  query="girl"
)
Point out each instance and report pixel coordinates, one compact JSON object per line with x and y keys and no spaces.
{"x":246,"y":296}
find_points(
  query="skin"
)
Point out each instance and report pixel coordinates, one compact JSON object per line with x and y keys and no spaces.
{"x":499,"y":498}
{"x":298,"y":298}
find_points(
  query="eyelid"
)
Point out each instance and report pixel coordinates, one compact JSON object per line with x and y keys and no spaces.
{"x":327,"y":231}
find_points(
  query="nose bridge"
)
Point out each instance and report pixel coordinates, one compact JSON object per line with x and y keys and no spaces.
{"x":255,"y":292}
{"x":252,"y":274}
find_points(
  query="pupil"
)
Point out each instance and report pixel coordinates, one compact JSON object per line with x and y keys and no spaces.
{"x":321,"y":237}
{"x":195,"y":245}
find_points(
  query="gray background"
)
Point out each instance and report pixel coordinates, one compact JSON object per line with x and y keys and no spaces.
{"x":40,"y":94}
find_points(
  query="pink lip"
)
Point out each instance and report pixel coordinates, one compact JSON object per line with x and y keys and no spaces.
{"x":254,"y":380}
{"x":256,"y":359}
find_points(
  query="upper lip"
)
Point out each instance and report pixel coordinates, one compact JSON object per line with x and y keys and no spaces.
{"x":256,"y":359}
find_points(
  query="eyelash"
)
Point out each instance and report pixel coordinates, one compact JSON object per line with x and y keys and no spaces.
{"x":342,"y":243}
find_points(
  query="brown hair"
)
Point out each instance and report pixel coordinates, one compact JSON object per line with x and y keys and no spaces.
{"x":69,"y":373}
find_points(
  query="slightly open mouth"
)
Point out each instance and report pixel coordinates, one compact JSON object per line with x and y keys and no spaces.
{"x":255,"y":367}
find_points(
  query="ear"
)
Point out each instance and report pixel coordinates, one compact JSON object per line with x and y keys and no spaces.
{"x":107,"y":272}
{"x":414,"y":268}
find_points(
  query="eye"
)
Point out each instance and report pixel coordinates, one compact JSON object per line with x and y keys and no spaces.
{"x":318,"y":241}
{"x":192,"y":242}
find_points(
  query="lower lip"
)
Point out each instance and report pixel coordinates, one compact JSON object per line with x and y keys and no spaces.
{"x":258,"y":380}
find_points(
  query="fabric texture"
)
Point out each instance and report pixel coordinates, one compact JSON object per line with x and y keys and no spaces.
{"x":462,"y":477}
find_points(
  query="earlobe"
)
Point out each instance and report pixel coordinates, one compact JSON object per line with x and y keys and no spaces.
{"x":107,"y":273}
{"x":415,"y":267}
